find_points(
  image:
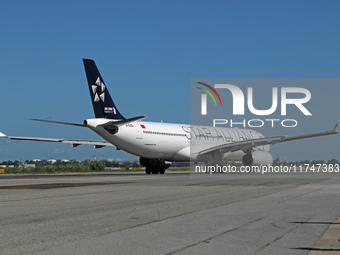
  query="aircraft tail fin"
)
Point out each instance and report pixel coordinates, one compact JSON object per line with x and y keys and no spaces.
{"x":102,"y":102}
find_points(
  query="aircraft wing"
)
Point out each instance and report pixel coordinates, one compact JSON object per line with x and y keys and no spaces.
{"x":250,"y":144}
{"x":75,"y":142}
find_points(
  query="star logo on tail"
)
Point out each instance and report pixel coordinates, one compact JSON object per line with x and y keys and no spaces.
{"x":99,"y":85}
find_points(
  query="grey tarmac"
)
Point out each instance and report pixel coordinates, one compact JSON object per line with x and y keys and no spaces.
{"x":174,"y":213}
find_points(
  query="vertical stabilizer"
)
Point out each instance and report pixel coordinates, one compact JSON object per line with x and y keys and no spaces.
{"x":102,"y":102}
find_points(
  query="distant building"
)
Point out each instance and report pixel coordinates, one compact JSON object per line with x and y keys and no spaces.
{"x":280,"y":161}
{"x":51,"y":161}
{"x":28,"y":165}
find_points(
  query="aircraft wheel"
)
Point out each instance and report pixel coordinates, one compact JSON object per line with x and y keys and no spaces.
{"x":147,"y":170}
{"x":154,"y":171}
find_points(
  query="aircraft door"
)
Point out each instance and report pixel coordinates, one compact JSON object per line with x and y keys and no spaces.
{"x":139,"y":131}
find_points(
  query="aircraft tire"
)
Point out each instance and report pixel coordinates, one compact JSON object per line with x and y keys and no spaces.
{"x":147,"y":170}
{"x":161,"y":170}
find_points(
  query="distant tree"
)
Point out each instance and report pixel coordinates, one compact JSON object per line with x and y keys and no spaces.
{"x":333,"y":161}
{"x":314,"y":162}
{"x":98,"y":165}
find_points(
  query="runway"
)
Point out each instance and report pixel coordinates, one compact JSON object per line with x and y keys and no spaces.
{"x":166,"y":214}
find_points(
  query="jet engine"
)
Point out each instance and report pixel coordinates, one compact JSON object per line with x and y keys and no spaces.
{"x":257,"y":158}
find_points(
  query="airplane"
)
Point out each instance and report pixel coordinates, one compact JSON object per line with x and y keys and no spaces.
{"x":158,"y":143}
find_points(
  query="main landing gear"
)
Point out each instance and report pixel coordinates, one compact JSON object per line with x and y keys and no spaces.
{"x":154,"y":166}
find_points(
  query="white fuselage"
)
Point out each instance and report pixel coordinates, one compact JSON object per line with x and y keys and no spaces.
{"x":173,"y":142}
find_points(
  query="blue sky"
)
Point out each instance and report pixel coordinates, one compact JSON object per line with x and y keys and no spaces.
{"x":147,"y":51}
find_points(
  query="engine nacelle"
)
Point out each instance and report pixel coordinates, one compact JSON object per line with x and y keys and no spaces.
{"x":257,"y":158}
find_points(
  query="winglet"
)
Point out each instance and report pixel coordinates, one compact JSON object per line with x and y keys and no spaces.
{"x":335,"y":129}
{"x":2,"y":135}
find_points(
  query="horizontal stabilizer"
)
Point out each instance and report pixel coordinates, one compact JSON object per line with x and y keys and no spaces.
{"x":112,"y":126}
{"x":123,"y":122}
{"x":59,"y":122}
